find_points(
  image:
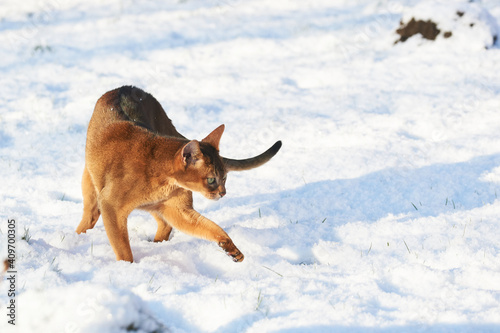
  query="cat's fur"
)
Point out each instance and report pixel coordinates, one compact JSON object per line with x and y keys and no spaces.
{"x":135,"y":158}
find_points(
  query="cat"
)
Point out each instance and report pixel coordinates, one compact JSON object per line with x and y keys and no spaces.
{"x":136,"y":159}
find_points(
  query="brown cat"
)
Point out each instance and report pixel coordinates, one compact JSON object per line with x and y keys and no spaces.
{"x":135,"y":158}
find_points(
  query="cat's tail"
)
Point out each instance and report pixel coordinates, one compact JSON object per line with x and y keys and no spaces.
{"x":254,"y":162}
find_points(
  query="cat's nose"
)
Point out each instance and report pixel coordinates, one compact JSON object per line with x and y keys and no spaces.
{"x":222,"y":193}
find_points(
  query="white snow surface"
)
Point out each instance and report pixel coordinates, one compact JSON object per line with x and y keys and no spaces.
{"x":379,"y":214}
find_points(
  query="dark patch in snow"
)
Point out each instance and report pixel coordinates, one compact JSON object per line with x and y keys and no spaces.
{"x":428,"y":26}
{"x":427,"y":29}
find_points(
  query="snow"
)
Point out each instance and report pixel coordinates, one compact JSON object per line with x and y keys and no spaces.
{"x":379,"y":214}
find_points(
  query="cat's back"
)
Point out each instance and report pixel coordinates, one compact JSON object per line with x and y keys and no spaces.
{"x":130,"y":104}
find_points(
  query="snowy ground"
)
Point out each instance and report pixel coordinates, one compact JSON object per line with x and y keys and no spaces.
{"x":379,"y":214}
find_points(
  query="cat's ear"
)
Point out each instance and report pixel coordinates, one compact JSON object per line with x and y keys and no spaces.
{"x":191,"y":152}
{"x":213,"y":138}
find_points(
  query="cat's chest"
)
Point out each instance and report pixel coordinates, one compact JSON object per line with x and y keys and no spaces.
{"x":159,"y":196}
{"x":162,"y":190}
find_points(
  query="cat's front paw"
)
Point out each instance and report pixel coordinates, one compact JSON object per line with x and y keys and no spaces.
{"x":237,"y":257}
{"x":231,"y":250}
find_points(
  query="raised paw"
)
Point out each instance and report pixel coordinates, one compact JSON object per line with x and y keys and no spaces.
{"x":231,"y":250}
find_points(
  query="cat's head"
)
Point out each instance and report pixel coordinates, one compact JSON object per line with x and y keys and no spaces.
{"x":204,"y":170}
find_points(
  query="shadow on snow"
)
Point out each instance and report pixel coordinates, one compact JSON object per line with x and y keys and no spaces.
{"x":427,"y":191}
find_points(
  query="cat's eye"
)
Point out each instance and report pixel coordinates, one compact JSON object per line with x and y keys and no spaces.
{"x":211,"y":181}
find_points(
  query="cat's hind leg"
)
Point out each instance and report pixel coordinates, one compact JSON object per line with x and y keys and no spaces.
{"x":164,"y":229}
{"x":91,"y":211}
